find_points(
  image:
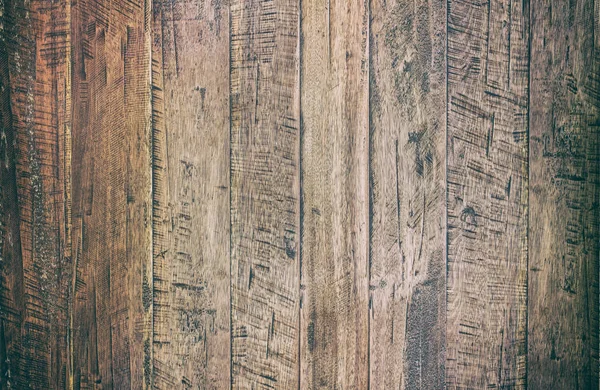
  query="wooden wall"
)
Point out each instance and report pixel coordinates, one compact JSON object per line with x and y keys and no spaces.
{"x":299,"y":194}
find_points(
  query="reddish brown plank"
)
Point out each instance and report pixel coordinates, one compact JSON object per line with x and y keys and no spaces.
{"x":265,"y":206}
{"x":112,"y":213}
{"x":408,"y":194}
{"x":335,"y":195}
{"x":564,"y":227}
{"x":36,"y":116}
{"x":487,"y":147}
{"x":190,"y":123}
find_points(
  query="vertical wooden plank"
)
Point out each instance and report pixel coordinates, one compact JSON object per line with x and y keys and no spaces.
{"x":112,"y":195}
{"x":36,"y":122}
{"x":488,"y":69}
{"x":11,"y":263}
{"x":565,"y":195}
{"x":265,"y":211}
{"x":408,"y":194}
{"x":190,"y":125}
{"x":335,"y":195}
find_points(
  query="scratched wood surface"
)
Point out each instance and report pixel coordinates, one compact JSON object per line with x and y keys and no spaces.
{"x":335,"y":196}
{"x":407,"y":152}
{"x":565,"y":195}
{"x":286,"y":194}
{"x":190,"y":194}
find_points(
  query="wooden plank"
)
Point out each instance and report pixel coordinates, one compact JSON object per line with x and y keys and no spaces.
{"x":335,"y":195}
{"x":488,"y":69}
{"x":408,"y":194}
{"x":265,"y":206}
{"x":565,"y":195}
{"x":190,"y":120}
{"x":36,"y":245}
{"x":112,"y":215}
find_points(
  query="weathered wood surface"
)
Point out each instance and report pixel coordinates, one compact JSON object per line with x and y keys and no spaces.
{"x":323,"y":194}
{"x":35,"y":189}
{"x":112,"y":213}
{"x":564,"y":229}
{"x":487,"y":174}
{"x":190,"y":183}
{"x":335,"y":195}
{"x":265,"y":196}
{"x":407,"y":159}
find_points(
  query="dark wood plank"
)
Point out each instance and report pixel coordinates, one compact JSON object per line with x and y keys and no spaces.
{"x":335,"y":195}
{"x":265,"y":202}
{"x":408,"y":194}
{"x":190,"y":121}
{"x":112,"y":212}
{"x":36,"y":199}
{"x":564,"y":227}
{"x":488,"y":69}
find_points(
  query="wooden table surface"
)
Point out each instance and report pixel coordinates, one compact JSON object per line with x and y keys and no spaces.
{"x":299,"y":194}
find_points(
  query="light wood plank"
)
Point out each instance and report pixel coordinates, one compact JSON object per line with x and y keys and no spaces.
{"x":565,"y":195}
{"x":408,"y":194}
{"x":488,"y":69}
{"x":112,"y":211}
{"x":190,"y":123}
{"x":264,"y":193}
{"x":335,"y":195}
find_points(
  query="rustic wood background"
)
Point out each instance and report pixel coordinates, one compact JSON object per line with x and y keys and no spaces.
{"x":285,"y":194}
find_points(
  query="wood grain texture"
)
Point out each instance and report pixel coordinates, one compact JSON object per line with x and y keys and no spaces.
{"x":335,"y":195}
{"x":190,"y":119}
{"x":36,"y":169}
{"x":564,"y":229}
{"x":408,"y":194}
{"x":265,"y":206}
{"x":487,"y":178}
{"x":112,"y":213}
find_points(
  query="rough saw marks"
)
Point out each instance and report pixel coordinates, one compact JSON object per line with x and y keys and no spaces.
{"x":488,"y":65}
{"x":36,"y":122}
{"x":335,"y":195}
{"x":190,"y":121}
{"x":112,"y":216}
{"x":407,"y":178}
{"x":264,"y":194}
{"x":565,"y":195}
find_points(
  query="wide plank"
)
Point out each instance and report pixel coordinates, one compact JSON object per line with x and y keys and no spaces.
{"x":190,"y":194}
{"x":35,"y":177}
{"x":487,"y":179}
{"x":335,"y":195}
{"x":408,"y":194}
{"x":564,"y":229}
{"x":265,"y":195}
{"x":112,"y":210}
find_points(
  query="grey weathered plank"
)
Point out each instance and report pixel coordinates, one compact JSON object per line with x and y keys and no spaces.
{"x":265,"y":205}
{"x":112,"y":211}
{"x":190,"y":182}
{"x":488,"y":69}
{"x":408,"y":194}
{"x":564,"y":230}
{"x":335,"y":195}
{"x":35,"y":190}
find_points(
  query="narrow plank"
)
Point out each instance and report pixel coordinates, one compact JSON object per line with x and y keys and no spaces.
{"x":112,"y":214}
{"x":11,"y":263}
{"x":36,"y":119}
{"x":335,"y":195}
{"x":488,"y":69}
{"x":408,"y":194}
{"x":565,"y":195}
{"x":265,"y":205}
{"x":190,"y":123}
